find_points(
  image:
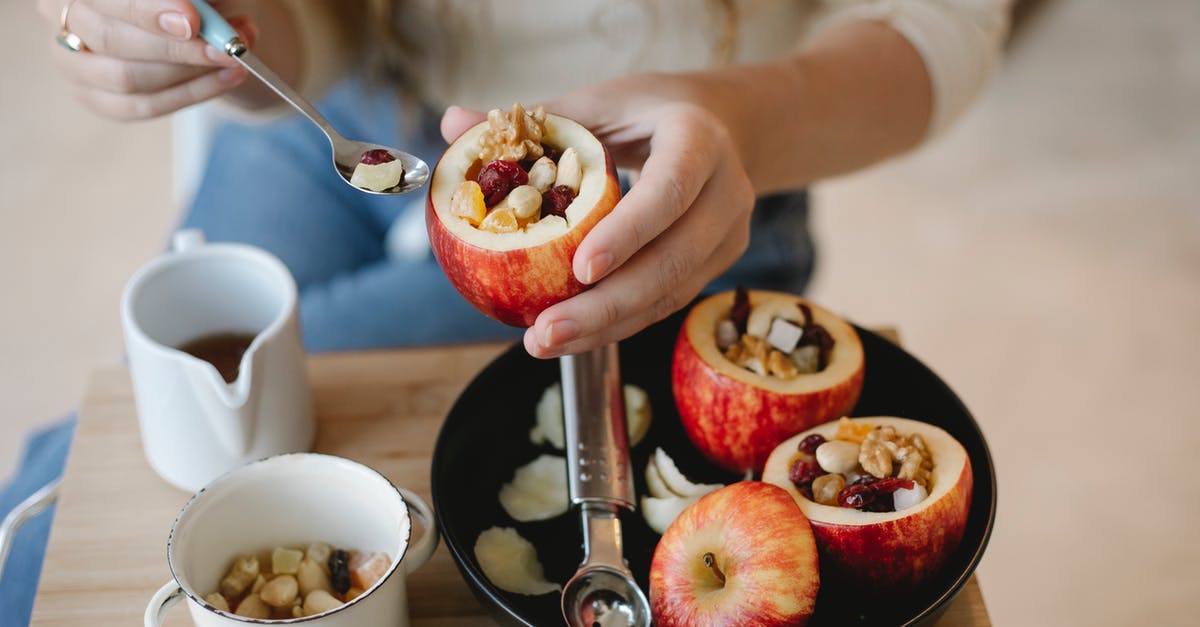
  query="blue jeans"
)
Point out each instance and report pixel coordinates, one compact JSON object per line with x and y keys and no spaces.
{"x":272,"y":185}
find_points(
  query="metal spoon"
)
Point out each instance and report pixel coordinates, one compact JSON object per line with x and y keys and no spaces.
{"x":346,"y":153}
{"x":602,"y":593}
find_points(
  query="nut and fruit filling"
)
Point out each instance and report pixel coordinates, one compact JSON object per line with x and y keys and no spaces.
{"x":873,"y":469}
{"x":296,"y":582}
{"x":773,"y":345}
{"x":517,"y":179}
{"x":378,"y":170}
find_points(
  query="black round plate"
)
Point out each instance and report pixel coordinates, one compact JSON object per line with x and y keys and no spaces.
{"x":486,"y":437}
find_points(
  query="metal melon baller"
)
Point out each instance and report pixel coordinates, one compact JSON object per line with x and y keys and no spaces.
{"x":602,"y":593}
{"x":346,"y":152}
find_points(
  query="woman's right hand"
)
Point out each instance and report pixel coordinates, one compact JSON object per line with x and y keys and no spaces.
{"x":143,"y":58}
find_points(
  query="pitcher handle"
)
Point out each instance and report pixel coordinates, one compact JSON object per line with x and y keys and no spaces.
{"x":162,"y":601}
{"x":420,"y":552}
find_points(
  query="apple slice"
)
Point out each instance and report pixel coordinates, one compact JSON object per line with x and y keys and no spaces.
{"x":743,"y":555}
{"x":660,"y":512}
{"x":654,"y":482}
{"x":538,"y":490}
{"x":548,"y":420}
{"x":674,"y":479}
{"x":512,"y":277}
{"x":887,"y":551}
{"x":510,"y":562}
{"x":735,"y":416}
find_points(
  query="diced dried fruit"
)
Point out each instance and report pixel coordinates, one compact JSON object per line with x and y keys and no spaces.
{"x":216,"y":600}
{"x":467,"y":203}
{"x":852,"y":431}
{"x":353,"y":593}
{"x":498,"y":178}
{"x":285,"y":561}
{"x":500,"y":221}
{"x":339,"y":571}
{"x":784,"y":335}
{"x":376,"y":156}
{"x":367,"y":568}
{"x":826,"y":488}
{"x":905,"y":498}
{"x":740,"y":313}
{"x":803,"y":470}
{"x":253,"y":607}
{"x":318,"y":552}
{"x":556,"y":200}
{"x":809,"y":444}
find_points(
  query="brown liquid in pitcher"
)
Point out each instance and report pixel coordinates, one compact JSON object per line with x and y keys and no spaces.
{"x":222,"y":350}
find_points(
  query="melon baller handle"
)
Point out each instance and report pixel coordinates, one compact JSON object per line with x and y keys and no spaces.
{"x":600,"y":482}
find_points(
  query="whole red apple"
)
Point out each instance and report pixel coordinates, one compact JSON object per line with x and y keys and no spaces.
{"x":887,"y":551}
{"x":735,"y":416}
{"x":512,"y":277}
{"x":743,"y":555}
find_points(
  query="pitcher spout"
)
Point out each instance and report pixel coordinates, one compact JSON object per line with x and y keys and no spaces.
{"x":230,"y":407}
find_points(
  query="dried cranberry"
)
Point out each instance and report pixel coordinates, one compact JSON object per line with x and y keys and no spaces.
{"x":890,"y":484}
{"x":882,"y":503}
{"x":741,"y":308}
{"x":556,"y":200}
{"x":865,"y":480}
{"x":804,"y":470}
{"x":377,"y":156}
{"x":498,"y":178}
{"x":809,"y":445}
{"x":857,"y":496}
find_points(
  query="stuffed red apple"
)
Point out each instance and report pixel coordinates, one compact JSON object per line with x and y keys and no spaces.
{"x":508,"y":205}
{"x":742,"y":555}
{"x":753,"y":368}
{"x":887,"y":497}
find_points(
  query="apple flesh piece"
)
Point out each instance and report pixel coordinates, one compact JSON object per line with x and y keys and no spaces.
{"x":887,"y":551}
{"x":512,"y":277}
{"x":735,"y":416}
{"x":743,"y":555}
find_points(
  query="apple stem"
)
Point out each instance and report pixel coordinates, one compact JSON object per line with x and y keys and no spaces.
{"x":710,"y":561}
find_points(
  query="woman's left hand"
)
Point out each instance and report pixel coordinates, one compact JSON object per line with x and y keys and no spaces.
{"x":685,"y":220}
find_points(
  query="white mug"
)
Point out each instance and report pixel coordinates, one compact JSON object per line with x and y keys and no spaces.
{"x":194,"y":425}
{"x":293,"y":500}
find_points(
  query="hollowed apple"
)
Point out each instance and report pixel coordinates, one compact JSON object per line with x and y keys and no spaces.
{"x":887,"y":551}
{"x":512,"y":277}
{"x":736,"y":416}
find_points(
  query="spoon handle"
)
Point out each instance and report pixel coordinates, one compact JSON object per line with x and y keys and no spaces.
{"x":216,"y":31}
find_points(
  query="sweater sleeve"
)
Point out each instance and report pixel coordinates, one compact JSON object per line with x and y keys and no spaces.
{"x":959,"y":40}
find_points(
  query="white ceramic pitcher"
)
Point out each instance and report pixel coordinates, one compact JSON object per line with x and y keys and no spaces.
{"x":194,"y":425}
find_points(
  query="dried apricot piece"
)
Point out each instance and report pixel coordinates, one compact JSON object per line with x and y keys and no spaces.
{"x":851,"y":431}
{"x":500,"y":221}
{"x":467,"y":203}
{"x":367,"y":568}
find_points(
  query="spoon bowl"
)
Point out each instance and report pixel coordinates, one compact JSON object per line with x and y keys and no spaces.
{"x":346,"y":152}
{"x":603,"y":597}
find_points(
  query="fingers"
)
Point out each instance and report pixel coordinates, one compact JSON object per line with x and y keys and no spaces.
{"x":171,"y":18}
{"x":122,"y":77}
{"x":684,"y":150}
{"x":137,"y":106}
{"x":106,"y":35}
{"x":657,"y":281}
{"x":456,"y":121}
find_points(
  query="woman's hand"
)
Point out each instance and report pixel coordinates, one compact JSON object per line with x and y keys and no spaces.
{"x":144,"y":58}
{"x":685,"y":220}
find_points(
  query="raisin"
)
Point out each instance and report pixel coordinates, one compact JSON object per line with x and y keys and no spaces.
{"x":376,"y":156}
{"x":809,"y":445}
{"x":741,"y":309}
{"x":339,"y":571}
{"x":890,"y":484}
{"x":498,"y":178}
{"x":857,"y":496}
{"x":804,"y":469}
{"x":881,"y":503}
{"x":556,"y":200}
{"x":807,"y":311}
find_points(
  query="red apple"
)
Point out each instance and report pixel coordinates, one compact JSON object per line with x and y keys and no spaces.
{"x":736,"y":416}
{"x":743,"y":555}
{"x":512,"y":277}
{"x":887,"y":551}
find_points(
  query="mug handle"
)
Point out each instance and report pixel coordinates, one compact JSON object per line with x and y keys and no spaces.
{"x":162,"y":601}
{"x":419,"y":553}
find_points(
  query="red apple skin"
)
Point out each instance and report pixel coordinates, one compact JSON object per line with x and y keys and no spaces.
{"x":763,"y":544}
{"x":736,"y":424}
{"x":514,"y":286}
{"x":897,"y":555}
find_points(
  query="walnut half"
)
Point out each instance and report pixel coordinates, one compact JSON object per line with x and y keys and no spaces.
{"x":513,"y":136}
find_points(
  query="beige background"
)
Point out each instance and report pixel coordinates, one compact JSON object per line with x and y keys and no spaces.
{"x":1044,"y":258}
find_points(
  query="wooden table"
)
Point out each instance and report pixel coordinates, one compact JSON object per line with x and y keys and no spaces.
{"x":107,"y":555}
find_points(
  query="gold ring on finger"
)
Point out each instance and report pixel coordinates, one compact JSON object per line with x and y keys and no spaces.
{"x":65,"y":37}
